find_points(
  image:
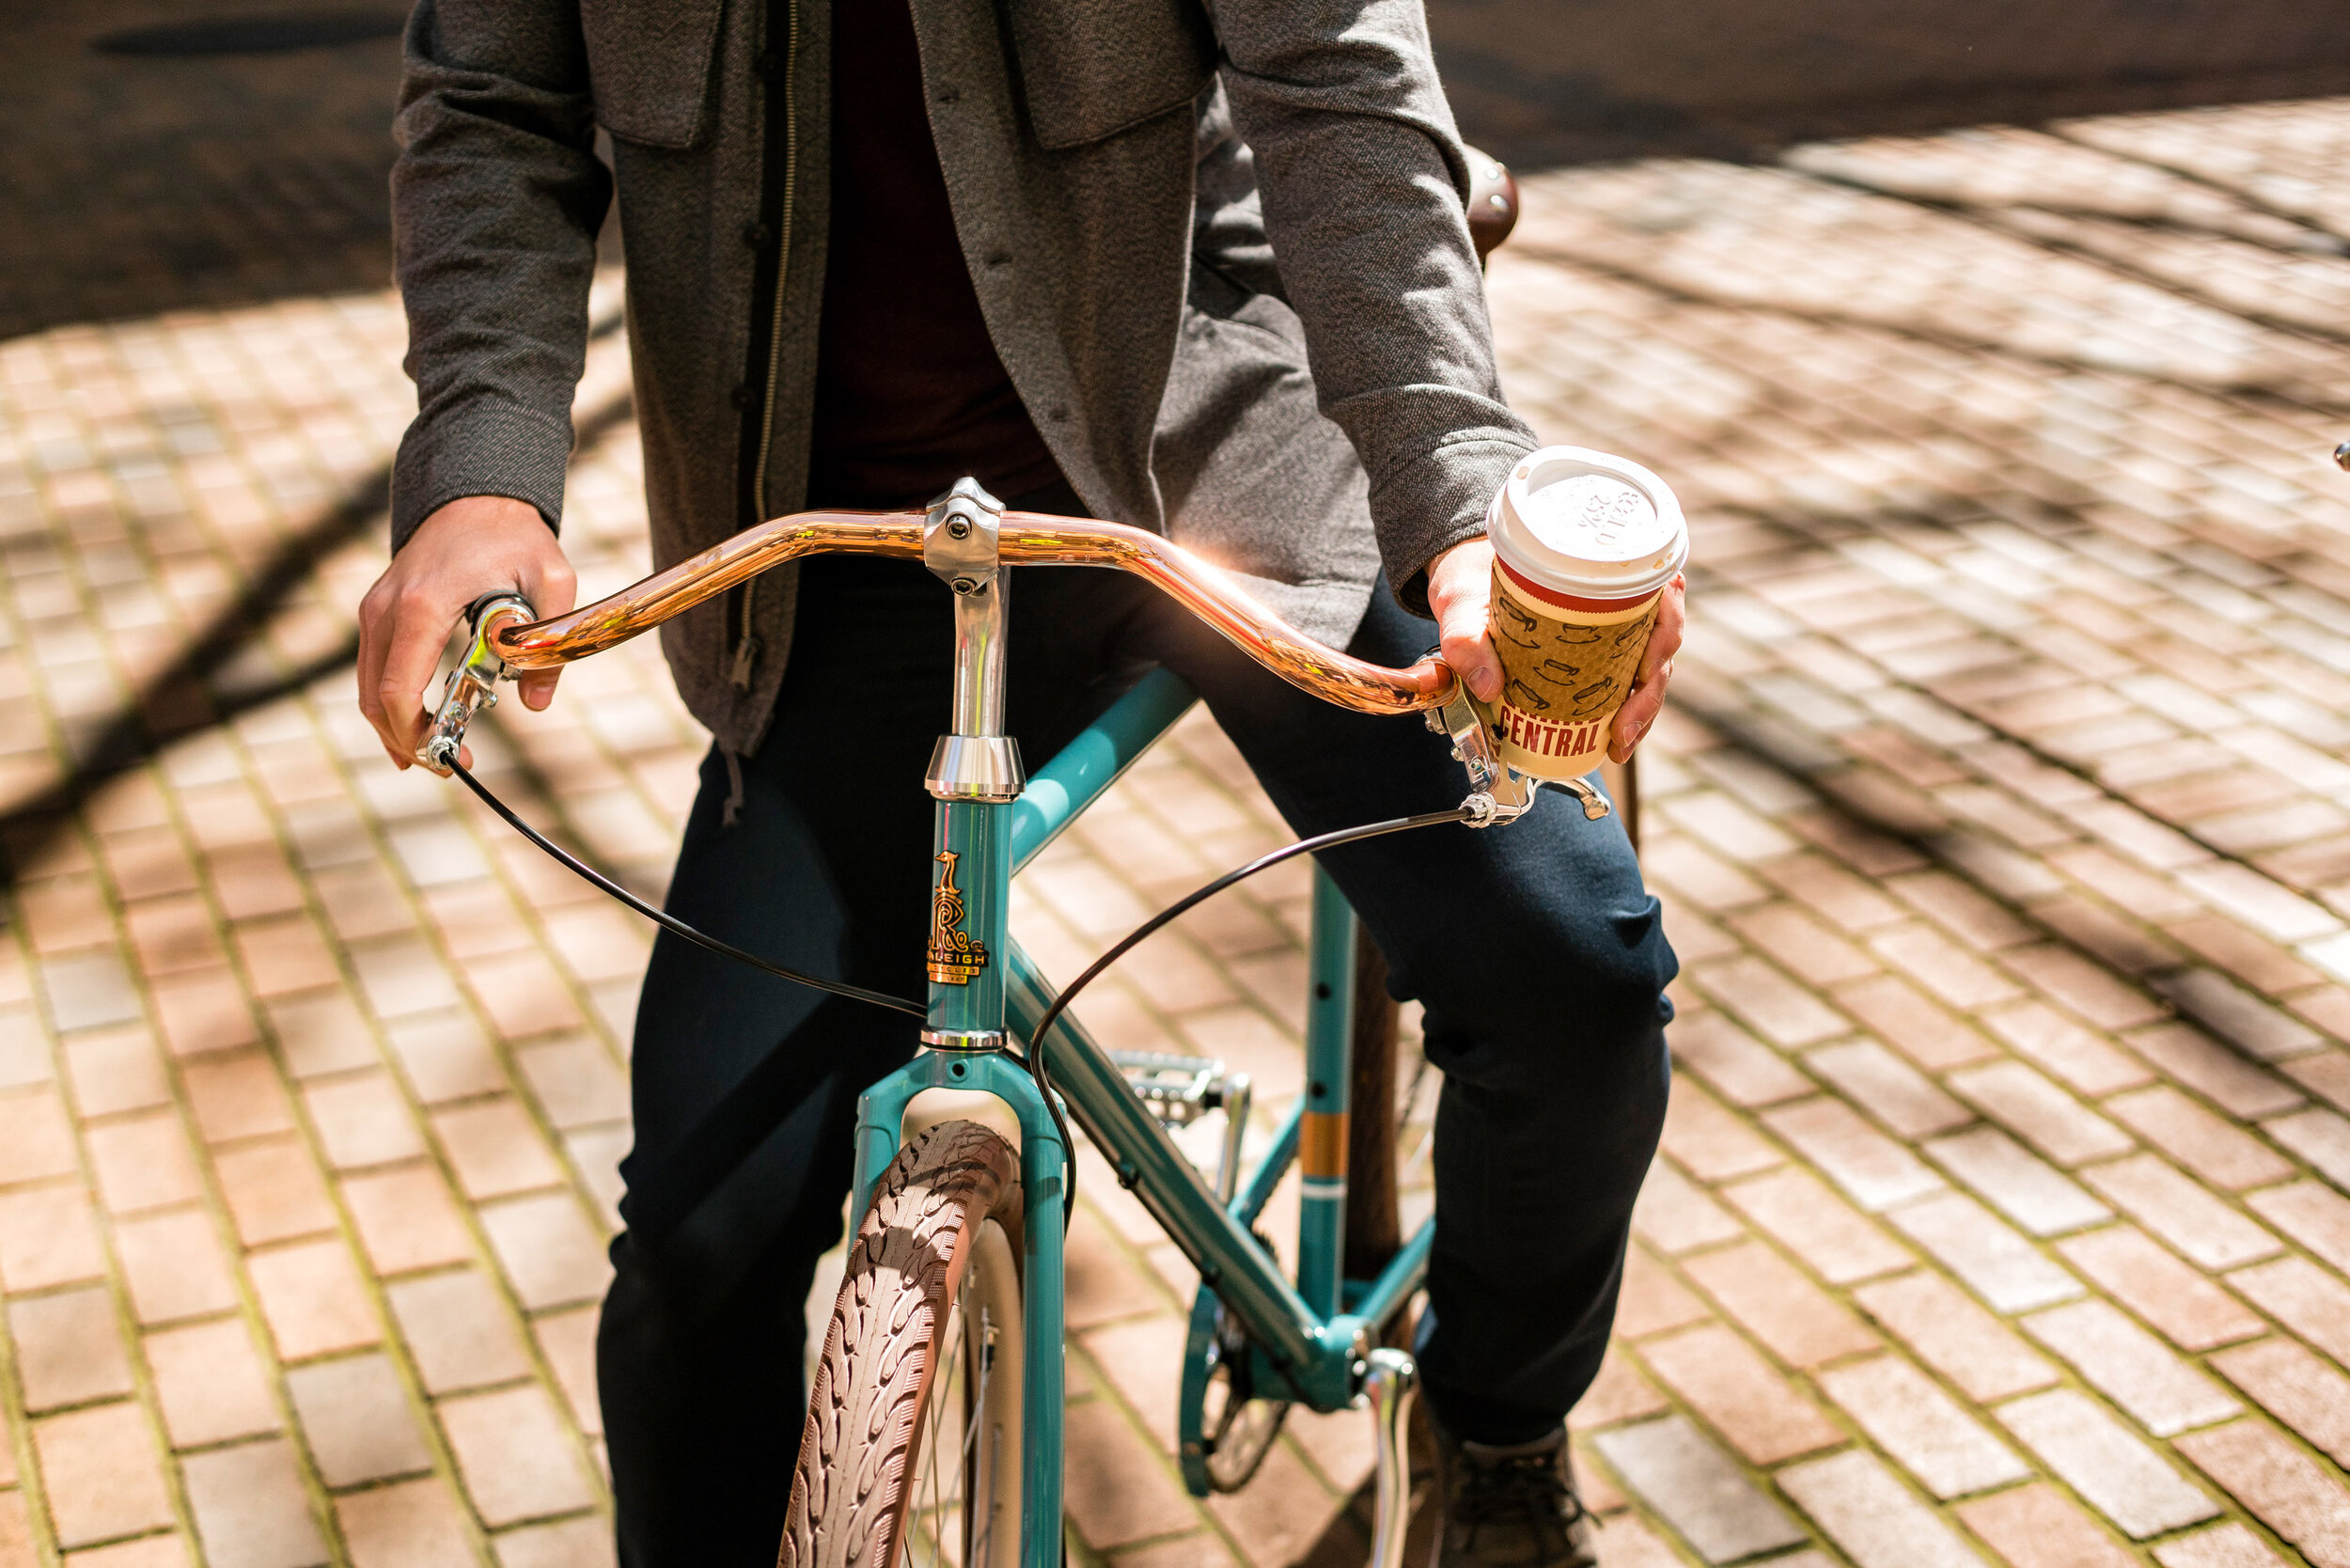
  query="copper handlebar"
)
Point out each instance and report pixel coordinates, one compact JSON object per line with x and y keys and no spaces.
{"x":1024,"y":537}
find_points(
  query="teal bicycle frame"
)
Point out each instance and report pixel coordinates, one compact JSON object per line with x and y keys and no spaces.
{"x":1308,"y":1348}
{"x":1313,"y":1341}
{"x":1310,"y":1341}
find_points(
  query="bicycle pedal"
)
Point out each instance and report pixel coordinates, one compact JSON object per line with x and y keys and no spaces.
{"x":1178,"y":1091}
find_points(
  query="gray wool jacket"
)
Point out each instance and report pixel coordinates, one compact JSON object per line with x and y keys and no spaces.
{"x":1219,"y":245}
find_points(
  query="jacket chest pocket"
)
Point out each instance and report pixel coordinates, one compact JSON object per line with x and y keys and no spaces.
{"x":649,"y":65}
{"x":1091,"y":68}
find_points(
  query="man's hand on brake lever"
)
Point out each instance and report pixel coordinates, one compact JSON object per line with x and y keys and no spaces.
{"x":480,"y":544}
{"x":1459,"y":591}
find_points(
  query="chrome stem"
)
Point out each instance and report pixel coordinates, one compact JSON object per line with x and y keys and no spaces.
{"x":976,"y":760}
{"x":1387,"y":1383}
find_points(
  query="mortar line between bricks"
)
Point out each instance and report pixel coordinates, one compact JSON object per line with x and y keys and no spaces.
{"x":2259,"y":1414}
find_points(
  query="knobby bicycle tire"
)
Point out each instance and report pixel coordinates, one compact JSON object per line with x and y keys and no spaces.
{"x":931,"y":1280}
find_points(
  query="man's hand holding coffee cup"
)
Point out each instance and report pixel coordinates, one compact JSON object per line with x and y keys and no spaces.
{"x":1459,"y":591}
{"x":1580,"y":574}
{"x":1585,"y":606}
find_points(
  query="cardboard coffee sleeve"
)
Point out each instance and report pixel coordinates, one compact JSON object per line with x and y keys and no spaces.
{"x":1584,"y":545}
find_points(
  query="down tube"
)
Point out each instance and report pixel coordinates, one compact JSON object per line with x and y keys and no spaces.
{"x":1310,"y":1350}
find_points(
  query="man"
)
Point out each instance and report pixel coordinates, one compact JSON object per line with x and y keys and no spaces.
{"x":1200,"y":269}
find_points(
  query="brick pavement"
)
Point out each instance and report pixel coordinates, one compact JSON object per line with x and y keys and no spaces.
{"x":1542,"y":84}
{"x":132,"y":183}
{"x":2000,"y":821}
{"x":234,"y":168}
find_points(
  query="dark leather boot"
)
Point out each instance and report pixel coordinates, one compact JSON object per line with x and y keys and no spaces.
{"x":1513,"y":1507}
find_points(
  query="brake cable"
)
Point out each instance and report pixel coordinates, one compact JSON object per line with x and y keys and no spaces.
{"x":1496,"y":796}
{"x":1034,"y":1059}
{"x":1142,"y":932}
{"x":668,"y":921}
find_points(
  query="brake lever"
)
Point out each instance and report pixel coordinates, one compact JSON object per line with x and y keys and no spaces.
{"x":1497,"y":792}
{"x":472,"y":686}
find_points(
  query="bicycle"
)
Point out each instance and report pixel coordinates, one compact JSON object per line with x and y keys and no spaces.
{"x":945,"y":1342}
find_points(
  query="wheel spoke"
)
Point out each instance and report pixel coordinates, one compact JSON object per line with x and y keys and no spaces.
{"x":942,"y":1508}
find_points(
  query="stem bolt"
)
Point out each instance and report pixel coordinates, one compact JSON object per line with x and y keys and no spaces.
{"x":959,"y":528}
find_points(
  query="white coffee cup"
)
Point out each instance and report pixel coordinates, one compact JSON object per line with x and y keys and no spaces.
{"x":1584,"y":545}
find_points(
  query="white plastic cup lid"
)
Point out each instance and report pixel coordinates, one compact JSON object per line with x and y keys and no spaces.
{"x":1588,"y":524}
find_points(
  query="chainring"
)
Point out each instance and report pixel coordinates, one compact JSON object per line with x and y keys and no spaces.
{"x":1237,"y":1428}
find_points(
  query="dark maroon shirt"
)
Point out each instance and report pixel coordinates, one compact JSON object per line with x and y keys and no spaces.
{"x":910,"y":394}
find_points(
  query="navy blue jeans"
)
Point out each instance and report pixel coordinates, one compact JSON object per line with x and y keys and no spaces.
{"x":1535,"y":949}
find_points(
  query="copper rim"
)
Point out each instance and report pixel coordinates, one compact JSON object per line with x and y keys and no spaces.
{"x":1032,"y":538}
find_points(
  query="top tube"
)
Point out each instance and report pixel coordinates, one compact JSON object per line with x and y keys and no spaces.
{"x":1024,"y":538}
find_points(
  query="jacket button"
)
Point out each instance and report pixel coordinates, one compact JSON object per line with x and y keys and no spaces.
{"x":758,"y":236}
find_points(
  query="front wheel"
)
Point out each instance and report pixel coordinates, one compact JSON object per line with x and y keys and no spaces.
{"x":911,"y":1455}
